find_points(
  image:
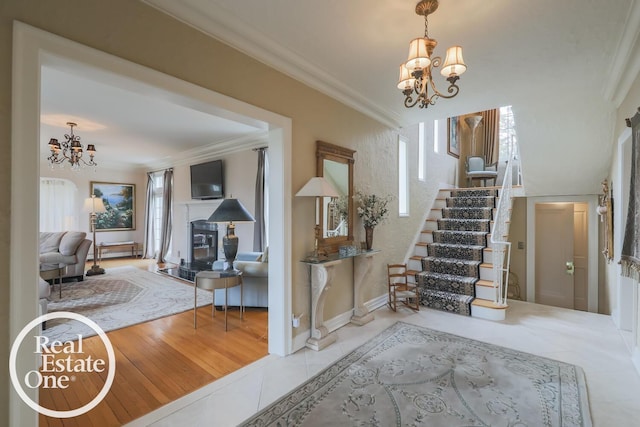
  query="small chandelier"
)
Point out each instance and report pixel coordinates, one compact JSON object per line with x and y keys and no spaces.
{"x":70,"y":150}
{"x":416,"y":74}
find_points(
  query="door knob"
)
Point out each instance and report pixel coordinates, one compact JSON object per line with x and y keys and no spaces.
{"x":570,"y":268}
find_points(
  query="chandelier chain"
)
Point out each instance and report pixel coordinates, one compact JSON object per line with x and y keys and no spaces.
{"x":426,"y":26}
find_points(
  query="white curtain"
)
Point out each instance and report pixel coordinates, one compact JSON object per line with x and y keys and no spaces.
{"x":166,"y":224}
{"x":58,"y":210}
{"x":149,"y":249}
{"x":158,"y":214}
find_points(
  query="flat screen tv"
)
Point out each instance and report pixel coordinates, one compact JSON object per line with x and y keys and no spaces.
{"x":207,"y":181}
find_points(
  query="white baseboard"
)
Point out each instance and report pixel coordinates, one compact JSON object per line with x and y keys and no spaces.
{"x":337,"y":322}
{"x":635,"y":358}
{"x":376,"y":303}
{"x":300,"y":341}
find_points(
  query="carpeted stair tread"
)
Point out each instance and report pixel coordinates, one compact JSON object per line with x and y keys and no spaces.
{"x":471,"y":202}
{"x":448,"y":250}
{"x":467,"y":213}
{"x":454,"y":224}
{"x":460,"y":237}
{"x":472,"y":192}
{"x":464,"y":285}
{"x":459,"y":267}
{"x":451,"y":270}
{"x":446,"y":301}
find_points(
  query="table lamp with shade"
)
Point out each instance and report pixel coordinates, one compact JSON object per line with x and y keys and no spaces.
{"x":94,"y":205}
{"x":230,"y":210}
{"x":317,"y":187}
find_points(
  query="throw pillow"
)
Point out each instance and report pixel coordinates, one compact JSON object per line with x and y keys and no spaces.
{"x":70,"y":242}
{"x":50,"y":241}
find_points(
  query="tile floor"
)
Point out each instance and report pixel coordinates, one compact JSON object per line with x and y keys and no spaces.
{"x":585,"y":339}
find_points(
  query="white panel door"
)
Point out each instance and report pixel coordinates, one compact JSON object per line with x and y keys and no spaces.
{"x":554,"y":250}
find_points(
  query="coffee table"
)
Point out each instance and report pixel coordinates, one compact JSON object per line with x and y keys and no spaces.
{"x":53,"y":272}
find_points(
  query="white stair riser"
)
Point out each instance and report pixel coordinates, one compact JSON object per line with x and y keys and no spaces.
{"x":485,"y":292}
{"x":486,"y":274}
{"x":414,"y":264}
{"x":431,"y":225}
{"x":411,"y":279}
{"x":435,"y":214}
{"x":439,"y":204}
{"x":488,"y":313}
{"x":487,"y":256}
{"x":489,"y":244}
{"x":420,"y":250}
{"x":426,"y":237}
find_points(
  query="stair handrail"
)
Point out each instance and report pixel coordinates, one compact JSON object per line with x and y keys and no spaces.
{"x":500,"y":245}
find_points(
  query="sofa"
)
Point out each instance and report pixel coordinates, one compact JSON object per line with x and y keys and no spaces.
{"x":44,"y":291}
{"x":68,"y":248}
{"x":255,"y":280}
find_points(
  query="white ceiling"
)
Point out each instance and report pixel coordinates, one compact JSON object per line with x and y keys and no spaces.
{"x":128,"y":128}
{"x":551,"y":60}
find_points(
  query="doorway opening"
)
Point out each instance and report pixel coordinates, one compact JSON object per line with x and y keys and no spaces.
{"x":33,"y":48}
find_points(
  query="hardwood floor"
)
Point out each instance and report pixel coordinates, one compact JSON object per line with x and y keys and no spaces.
{"x":159,"y":361}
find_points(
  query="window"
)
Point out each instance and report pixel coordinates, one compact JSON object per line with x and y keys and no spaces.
{"x":436,"y":136}
{"x":403,"y":178}
{"x":58,"y":210}
{"x":421,"y":158}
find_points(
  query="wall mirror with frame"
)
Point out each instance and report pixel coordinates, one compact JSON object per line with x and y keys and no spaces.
{"x":335,"y":164}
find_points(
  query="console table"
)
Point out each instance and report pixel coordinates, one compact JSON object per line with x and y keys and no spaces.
{"x":134,"y":246}
{"x":321,"y":276}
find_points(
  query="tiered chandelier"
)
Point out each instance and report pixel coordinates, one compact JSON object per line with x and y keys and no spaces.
{"x":416,"y":74}
{"x":70,"y":150}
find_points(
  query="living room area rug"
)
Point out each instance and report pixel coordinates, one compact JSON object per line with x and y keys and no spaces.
{"x":414,"y":376}
{"x":122,"y":297}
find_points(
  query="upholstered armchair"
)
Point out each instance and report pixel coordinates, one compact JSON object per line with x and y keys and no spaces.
{"x":476,"y":168}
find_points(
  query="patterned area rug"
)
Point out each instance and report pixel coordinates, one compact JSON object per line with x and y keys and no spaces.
{"x":124,"y":296}
{"x":414,"y":376}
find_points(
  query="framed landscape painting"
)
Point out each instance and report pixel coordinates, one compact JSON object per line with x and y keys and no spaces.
{"x":453,"y":139}
{"x":120,"y":204}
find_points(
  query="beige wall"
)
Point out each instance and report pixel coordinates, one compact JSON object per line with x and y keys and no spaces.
{"x":138,"y":33}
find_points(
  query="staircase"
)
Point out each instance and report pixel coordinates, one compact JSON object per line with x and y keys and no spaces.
{"x":452,"y":261}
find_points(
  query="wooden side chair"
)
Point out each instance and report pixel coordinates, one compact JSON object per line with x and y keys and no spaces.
{"x":400,"y":290}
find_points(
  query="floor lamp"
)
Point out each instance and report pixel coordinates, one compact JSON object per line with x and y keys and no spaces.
{"x":473,"y":122}
{"x":94,"y":205}
{"x":317,"y":187}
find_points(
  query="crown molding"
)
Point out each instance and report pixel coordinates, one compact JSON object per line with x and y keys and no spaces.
{"x":625,"y":65}
{"x":225,"y":27}
{"x":215,"y":150}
